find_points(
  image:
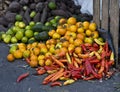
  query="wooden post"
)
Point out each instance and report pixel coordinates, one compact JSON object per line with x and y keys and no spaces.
{"x":114,"y":25}
{"x":109,"y":20}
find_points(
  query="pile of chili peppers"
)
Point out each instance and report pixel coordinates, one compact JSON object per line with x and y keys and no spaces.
{"x":93,"y":63}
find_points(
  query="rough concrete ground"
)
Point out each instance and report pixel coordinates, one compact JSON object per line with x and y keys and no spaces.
{"x":10,"y":71}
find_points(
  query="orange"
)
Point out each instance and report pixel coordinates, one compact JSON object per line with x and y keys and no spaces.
{"x":61,"y":31}
{"x":33,"y":63}
{"x":71,"y":20}
{"x":51,"y":32}
{"x":52,"y":41}
{"x":48,"y":54}
{"x":79,"y":24}
{"x":44,"y":50}
{"x":73,"y":34}
{"x":18,"y":54}
{"x":71,"y":40}
{"x":67,"y":37}
{"x":34,"y":44}
{"x":64,"y":49}
{"x":29,"y":46}
{"x":88,"y":32}
{"x":33,"y":58}
{"x":71,"y":47}
{"x":10,"y":57}
{"x":73,"y":28}
{"x":41,"y":45}
{"x":78,"y":42}
{"x":81,"y":36}
{"x":78,"y":50}
{"x":80,"y":30}
{"x":52,"y":49}
{"x":65,"y":44}
{"x":36,"y":51}
{"x":62,"y":21}
{"x":92,"y":26}
{"x":86,"y":25}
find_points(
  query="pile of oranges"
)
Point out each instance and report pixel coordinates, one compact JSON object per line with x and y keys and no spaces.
{"x":69,"y":35}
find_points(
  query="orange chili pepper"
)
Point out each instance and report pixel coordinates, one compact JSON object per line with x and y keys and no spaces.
{"x":57,"y":61}
{"x":102,"y":66}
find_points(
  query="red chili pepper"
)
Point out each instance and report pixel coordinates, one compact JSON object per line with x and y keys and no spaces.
{"x":21,"y":77}
{"x":83,"y":47}
{"x":106,"y":66}
{"x":27,"y":60}
{"x":56,"y":84}
{"x":41,"y":71}
{"x":94,"y":61}
{"x":67,"y":74}
{"x":89,"y":78}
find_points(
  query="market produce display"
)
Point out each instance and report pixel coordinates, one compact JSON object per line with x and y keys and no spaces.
{"x":63,"y":44}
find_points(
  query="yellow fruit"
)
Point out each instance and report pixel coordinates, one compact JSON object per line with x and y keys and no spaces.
{"x":92,"y":26}
{"x":33,"y":63}
{"x":48,"y":54}
{"x":41,"y":57}
{"x":78,"y":42}
{"x":56,"y":36}
{"x":48,"y":62}
{"x":34,"y":44}
{"x":95,"y":34}
{"x":10,"y":57}
{"x":26,"y":53}
{"x":72,"y":34}
{"x":52,"y":49}
{"x":43,"y":50}
{"x":41,"y":45}
{"x":78,"y":50}
{"x":64,"y":49}
{"x":80,"y":30}
{"x":61,"y":31}
{"x":18,"y":54}
{"x":88,"y":40}
{"x":88,"y":32}
{"x":41,"y":62}
{"x":29,"y":46}
{"x":86,"y":25}
{"x":51,"y":32}
{"x":73,"y":28}
{"x":71,"y":21}
{"x":71,"y":40}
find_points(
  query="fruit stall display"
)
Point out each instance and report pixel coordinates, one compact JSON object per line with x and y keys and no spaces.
{"x":65,"y":45}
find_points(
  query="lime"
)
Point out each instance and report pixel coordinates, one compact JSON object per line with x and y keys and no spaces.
{"x":48,"y":24}
{"x":3,"y":36}
{"x":36,"y":33}
{"x":32,"y":23}
{"x":10,"y":32}
{"x":29,"y":33}
{"x":18,"y":17}
{"x":52,"y":5}
{"x":14,"y":40}
{"x":24,"y":39}
{"x":2,"y":32}
{"x":26,"y":53}
{"x":28,"y":27}
{"x":17,"y":23}
{"x":7,"y":39}
{"x":15,"y":29}
{"x":19,"y":35}
{"x":31,"y":40}
{"x":57,"y":18}
{"x":32,"y":14}
{"x":53,"y":21}
{"x":21,"y":24}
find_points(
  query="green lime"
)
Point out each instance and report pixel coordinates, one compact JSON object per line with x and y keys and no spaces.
{"x":17,"y":23}
{"x":28,"y":27}
{"x":24,"y":39}
{"x":13,"y":48}
{"x":57,"y":18}
{"x":15,"y":29}
{"x":29,"y":33}
{"x":52,"y":5}
{"x":3,"y":36}
{"x":18,"y":17}
{"x":36,"y":33}
{"x":53,"y":21}
{"x":21,"y":24}
{"x":32,"y":14}
{"x":26,"y":53}
{"x":19,"y":35}
{"x":48,"y":24}
{"x":32,"y":23}
{"x":14,"y":40}
{"x":31,"y":40}
{"x":7,"y":39}
{"x":2,"y":32}
{"x":10,"y":32}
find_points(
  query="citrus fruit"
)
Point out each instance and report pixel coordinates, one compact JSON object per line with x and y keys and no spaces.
{"x":80,"y":30}
{"x":14,"y":40}
{"x":61,"y":31}
{"x":19,"y":35}
{"x":86,"y":25}
{"x":17,"y":54}
{"x":26,"y":53}
{"x":71,"y":21}
{"x":78,"y":50}
{"x":52,"y":5}
{"x":29,"y":33}
{"x":92,"y":26}
{"x":48,"y":62}
{"x":10,"y":57}
{"x":18,"y":17}
{"x":73,"y":28}
{"x":21,"y":25}
{"x":88,"y":32}
{"x":24,"y":39}
{"x":41,"y":62}
{"x":33,"y":63}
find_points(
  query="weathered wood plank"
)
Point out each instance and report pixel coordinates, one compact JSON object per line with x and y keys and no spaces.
{"x":96,"y":12}
{"x":105,"y":14}
{"x":114,"y":25}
